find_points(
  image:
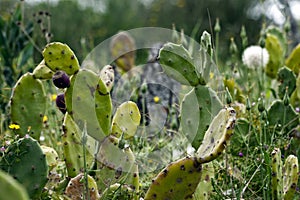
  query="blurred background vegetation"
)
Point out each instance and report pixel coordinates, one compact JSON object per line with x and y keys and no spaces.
{"x":84,"y":24}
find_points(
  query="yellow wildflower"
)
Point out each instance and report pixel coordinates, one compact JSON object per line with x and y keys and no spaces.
{"x":156,"y":99}
{"x":53,"y":97}
{"x":45,"y":119}
{"x":14,"y":126}
{"x":211,"y":75}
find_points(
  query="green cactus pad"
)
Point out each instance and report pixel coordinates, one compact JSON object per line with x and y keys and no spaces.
{"x":73,"y":147}
{"x":293,"y":61}
{"x":298,"y":87}
{"x":11,"y":189}
{"x":107,"y":76}
{"x":280,"y":35}
{"x":116,"y":165}
{"x":205,"y":187}
{"x":217,"y":135}
{"x":83,"y":103}
{"x":76,"y":188}
{"x":126,"y":120}
{"x":198,"y":108}
{"x":277,"y":184}
{"x":25,"y":161}
{"x":118,"y":191}
{"x":287,"y":79}
{"x":59,"y":56}
{"x":28,"y":106}
{"x":178,"y":64}
{"x":282,"y":117}
{"x":69,"y":94}
{"x":275,"y":51}
{"x":51,"y":156}
{"x":42,"y":72}
{"x":103,"y":107}
{"x":290,"y":177}
{"x":177,"y":181}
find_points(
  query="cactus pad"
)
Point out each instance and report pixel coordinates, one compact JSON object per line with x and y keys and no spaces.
{"x":177,"y":181}
{"x":28,"y":106}
{"x":126,"y":120}
{"x":59,"y":56}
{"x":290,"y":176}
{"x":277,"y":184}
{"x":117,"y":191}
{"x":107,"y":76}
{"x":287,"y":79}
{"x":42,"y":72}
{"x":25,"y":161}
{"x":293,"y":61}
{"x":178,"y":64}
{"x":217,"y":135}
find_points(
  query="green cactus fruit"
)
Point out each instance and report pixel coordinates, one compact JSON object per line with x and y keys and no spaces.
{"x":126,"y":120}
{"x":83,"y":103}
{"x":73,"y":147}
{"x":107,"y":76}
{"x":118,"y":191}
{"x":290,"y":177}
{"x":204,"y":188}
{"x":277,"y":183}
{"x":198,"y":108}
{"x":275,"y":51}
{"x":103,"y":107}
{"x":282,"y":117}
{"x":42,"y":71}
{"x":122,"y":49}
{"x":25,"y":161}
{"x":293,"y":61}
{"x":116,"y":165}
{"x":178,"y":64}
{"x":59,"y":56}
{"x":287,"y":80}
{"x":217,"y":135}
{"x":28,"y":106}
{"x":11,"y":189}
{"x":51,"y":156}
{"x":76,"y":189}
{"x":177,"y":181}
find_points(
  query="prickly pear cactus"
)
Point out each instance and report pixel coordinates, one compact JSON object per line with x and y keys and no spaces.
{"x":177,"y":181}
{"x":25,"y":161}
{"x":59,"y":56}
{"x":198,"y":108}
{"x":122,"y":49}
{"x":126,"y":120}
{"x":28,"y":106}
{"x":282,"y":117}
{"x":107,"y":75}
{"x":103,"y":106}
{"x":51,"y":156}
{"x":275,"y":51}
{"x":116,"y":165}
{"x":42,"y":71}
{"x":178,"y":64}
{"x":293,"y":61}
{"x":73,"y":147}
{"x":217,"y":135}
{"x":290,"y":176}
{"x":287,"y":80}
{"x":277,"y":183}
{"x":10,"y":188}
{"x":118,"y":191}
{"x":76,"y":188}
{"x":205,"y":187}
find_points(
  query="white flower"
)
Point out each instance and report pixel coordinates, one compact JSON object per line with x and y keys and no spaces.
{"x":255,"y":56}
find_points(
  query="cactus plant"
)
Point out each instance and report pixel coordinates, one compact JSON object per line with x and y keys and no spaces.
{"x":205,"y":101}
{"x":73,"y":147}
{"x":76,"y":188}
{"x":107,"y":76}
{"x":11,"y":189}
{"x":61,"y":79}
{"x":178,"y":64}
{"x":28,"y":106}
{"x":59,"y":56}
{"x":126,"y":120}
{"x":118,"y":191}
{"x":42,"y":71}
{"x":25,"y":161}
{"x":51,"y":156}
{"x":292,"y":61}
{"x":277,"y":184}
{"x":287,"y":80}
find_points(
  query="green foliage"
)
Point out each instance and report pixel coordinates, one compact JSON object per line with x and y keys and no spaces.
{"x":28,"y":106}
{"x":287,"y":80}
{"x":118,"y":191}
{"x":24,"y":160}
{"x":292,"y":61}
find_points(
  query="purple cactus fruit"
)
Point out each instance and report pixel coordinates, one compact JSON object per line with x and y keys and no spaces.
{"x":60,"y":103}
{"x":61,"y":79}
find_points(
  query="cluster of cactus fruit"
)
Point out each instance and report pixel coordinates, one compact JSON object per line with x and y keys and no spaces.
{"x":99,"y":162}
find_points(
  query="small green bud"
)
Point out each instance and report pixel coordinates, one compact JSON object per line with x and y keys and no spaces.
{"x":244,"y":37}
{"x":248,"y":104}
{"x":261,"y":105}
{"x":233,"y":48}
{"x":217,"y":27}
